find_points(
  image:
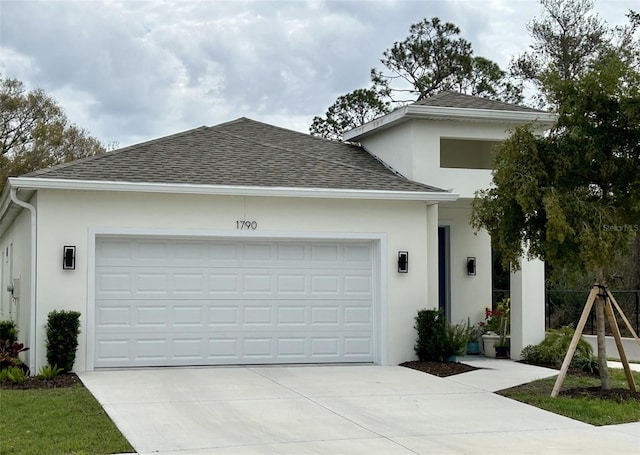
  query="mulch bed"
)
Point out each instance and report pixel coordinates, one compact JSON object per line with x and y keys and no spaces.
{"x":444,"y":369}
{"x":441,"y":369}
{"x":62,"y":380}
{"x":617,"y":395}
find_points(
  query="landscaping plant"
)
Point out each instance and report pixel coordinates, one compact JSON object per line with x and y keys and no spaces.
{"x":63,"y":328}
{"x":9,"y":355}
{"x":48,"y":372}
{"x":431,"y":326}
{"x":13,"y":374}
{"x":457,"y":337}
{"x":8,"y":332}
{"x":551,"y":351}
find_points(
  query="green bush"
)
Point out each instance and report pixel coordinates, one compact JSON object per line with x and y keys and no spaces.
{"x":552,"y":350}
{"x":431,"y":326}
{"x":588,"y":365}
{"x":48,"y":372}
{"x":13,"y":374}
{"x":8,"y":332}
{"x":63,"y":328}
{"x":457,"y":337}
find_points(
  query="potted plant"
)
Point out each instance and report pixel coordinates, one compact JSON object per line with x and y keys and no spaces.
{"x":473,"y":334}
{"x":456,"y":339}
{"x":502,"y":346}
{"x":496,"y":326}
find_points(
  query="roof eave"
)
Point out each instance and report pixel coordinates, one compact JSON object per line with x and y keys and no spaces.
{"x":32,"y":183}
{"x":416,"y":111}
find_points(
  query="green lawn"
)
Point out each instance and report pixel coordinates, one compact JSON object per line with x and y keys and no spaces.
{"x":595,"y":411}
{"x":56,"y":421}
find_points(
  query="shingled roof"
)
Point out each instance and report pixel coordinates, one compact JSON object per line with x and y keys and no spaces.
{"x":242,"y":152}
{"x":455,"y":99}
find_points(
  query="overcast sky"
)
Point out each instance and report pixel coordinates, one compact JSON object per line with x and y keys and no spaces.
{"x":134,"y":70}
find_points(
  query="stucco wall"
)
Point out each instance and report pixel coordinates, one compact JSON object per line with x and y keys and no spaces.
{"x":394,"y":146}
{"x":18,"y":238}
{"x":469,"y":294}
{"x":66,"y":217}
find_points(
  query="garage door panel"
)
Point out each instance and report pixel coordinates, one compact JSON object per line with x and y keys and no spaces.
{"x":222,"y":350}
{"x":151,"y":316}
{"x":188,"y":283}
{"x":112,"y":283}
{"x":132,"y":314}
{"x":291,"y":253}
{"x":358,"y":347}
{"x":143,"y":282}
{"x":192,"y":302}
{"x":292,"y":315}
{"x":152,"y":350}
{"x":357,"y":255}
{"x":222,"y":283}
{"x":255,"y":253}
{"x":188,"y":316}
{"x":358,"y":315}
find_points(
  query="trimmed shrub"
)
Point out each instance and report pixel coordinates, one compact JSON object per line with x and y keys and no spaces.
{"x":63,"y":328}
{"x":8,"y":332}
{"x":431,"y":326}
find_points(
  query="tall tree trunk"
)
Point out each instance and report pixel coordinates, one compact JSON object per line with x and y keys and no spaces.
{"x":605,"y":379}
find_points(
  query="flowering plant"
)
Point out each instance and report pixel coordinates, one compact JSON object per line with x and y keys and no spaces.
{"x":497,"y":320}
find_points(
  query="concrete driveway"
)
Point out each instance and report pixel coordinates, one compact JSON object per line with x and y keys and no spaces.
{"x":342,"y":410}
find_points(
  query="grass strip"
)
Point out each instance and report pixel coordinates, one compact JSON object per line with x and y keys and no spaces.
{"x":56,"y":421}
{"x":591,"y":409}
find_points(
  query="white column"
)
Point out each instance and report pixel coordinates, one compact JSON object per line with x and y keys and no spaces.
{"x":527,"y":306}
{"x":432,"y":256}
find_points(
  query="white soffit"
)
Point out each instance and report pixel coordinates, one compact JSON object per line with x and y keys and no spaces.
{"x":225,"y":190}
{"x":413,"y":111}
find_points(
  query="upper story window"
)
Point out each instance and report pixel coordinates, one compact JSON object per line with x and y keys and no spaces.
{"x":467,"y":153}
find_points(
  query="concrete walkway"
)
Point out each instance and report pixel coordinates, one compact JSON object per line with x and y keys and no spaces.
{"x":342,"y":409}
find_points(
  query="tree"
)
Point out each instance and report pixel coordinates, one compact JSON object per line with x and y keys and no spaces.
{"x":35,"y":133}
{"x":349,"y":111}
{"x":432,"y":59}
{"x":567,"y":39}
{"x":572,"y":197}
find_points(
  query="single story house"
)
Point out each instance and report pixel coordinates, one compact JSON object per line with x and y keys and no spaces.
{"x":246,"y":243}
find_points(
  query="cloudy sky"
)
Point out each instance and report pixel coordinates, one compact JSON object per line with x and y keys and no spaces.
{"x":134,"y":70}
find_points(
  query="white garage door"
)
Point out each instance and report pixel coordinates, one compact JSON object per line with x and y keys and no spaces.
{"x":193,"y":302}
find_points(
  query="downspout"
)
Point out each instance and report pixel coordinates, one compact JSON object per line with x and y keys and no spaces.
{"x":32,"y":284}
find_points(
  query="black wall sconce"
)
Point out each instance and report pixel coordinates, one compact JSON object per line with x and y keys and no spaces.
{"x":403,"y":261}
{"x":68,"y":257}
{"x":471,"y":266}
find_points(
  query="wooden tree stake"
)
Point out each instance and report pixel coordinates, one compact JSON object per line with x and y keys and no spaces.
{"x":624,"y":318}
{"x":616,"y":335}
{"x":593,"y":295}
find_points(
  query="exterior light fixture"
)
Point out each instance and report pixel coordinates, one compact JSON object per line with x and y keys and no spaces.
{"x":471,"y":266}
{"x":403,"y":261}
{"x":68,"y":257}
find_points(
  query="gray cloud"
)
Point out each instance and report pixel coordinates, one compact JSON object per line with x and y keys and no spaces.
{"x":134,"y":70}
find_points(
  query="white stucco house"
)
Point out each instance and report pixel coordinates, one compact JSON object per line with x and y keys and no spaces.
{"x":245,"y":243}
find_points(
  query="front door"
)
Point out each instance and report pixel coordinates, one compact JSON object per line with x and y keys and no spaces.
{"x":443,"y":269}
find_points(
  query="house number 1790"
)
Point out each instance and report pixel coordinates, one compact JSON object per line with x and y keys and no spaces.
{"x":246,"y":225}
